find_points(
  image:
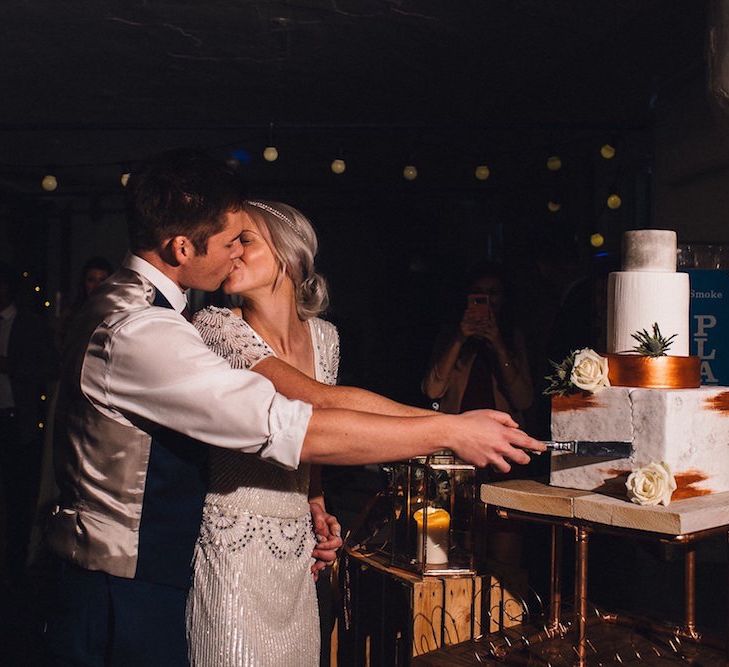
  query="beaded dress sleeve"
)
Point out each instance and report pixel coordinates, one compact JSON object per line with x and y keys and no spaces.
{"x":231,"y":337}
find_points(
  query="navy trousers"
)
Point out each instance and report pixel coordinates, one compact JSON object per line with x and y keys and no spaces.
{"x":95,"y":619}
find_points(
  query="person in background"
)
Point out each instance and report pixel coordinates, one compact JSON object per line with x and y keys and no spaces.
{"x":480,"y":361}
{"x":94,"y":272}
{"x":28,"y":364}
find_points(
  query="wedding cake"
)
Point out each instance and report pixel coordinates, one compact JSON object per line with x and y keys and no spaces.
{"x":653,"y":402}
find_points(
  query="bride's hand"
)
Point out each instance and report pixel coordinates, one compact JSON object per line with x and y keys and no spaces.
{"x":328,"y":536}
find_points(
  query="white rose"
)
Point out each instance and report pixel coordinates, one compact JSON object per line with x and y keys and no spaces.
{"x":651,"y":485}
{"x":590,"y":371}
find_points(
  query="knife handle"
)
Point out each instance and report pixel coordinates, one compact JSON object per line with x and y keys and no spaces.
{"x":557,"y":446}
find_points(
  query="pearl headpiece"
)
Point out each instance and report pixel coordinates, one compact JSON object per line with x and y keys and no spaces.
{"x":279,"y":215}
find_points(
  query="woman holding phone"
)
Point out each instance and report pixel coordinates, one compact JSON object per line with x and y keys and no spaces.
{"x":481,"y":361}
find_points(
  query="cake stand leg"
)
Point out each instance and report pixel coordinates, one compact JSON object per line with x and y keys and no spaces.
{"x":581,"y":538}
{"x":555,"y":583}
{"x":689,"y":584}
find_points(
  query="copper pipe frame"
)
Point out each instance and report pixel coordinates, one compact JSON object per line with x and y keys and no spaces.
{"x":582,"y":536}
{"x":555,"y":583}
{"x":689,"y":585}
{"x":688,"y":632}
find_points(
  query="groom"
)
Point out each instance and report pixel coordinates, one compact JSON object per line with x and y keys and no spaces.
{"x":142,"y":398}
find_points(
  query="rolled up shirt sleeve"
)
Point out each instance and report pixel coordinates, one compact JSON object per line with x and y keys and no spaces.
{"x":154,"y":367}
{"x":288,"y":421}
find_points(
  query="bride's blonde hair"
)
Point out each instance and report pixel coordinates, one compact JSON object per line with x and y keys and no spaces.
{"x":294,"y":245}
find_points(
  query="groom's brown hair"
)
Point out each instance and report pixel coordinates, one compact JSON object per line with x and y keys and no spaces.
{"x":180,"y":192}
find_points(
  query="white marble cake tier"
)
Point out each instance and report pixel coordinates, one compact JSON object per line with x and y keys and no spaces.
{"x":686,"y":428}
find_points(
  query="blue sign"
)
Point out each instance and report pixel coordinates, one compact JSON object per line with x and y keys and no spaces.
{"x":709,"y":323}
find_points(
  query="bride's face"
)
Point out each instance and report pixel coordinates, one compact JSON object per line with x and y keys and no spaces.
{"x":256,"y":269}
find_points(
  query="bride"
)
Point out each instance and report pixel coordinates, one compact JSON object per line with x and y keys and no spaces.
{"x":253,"y":599}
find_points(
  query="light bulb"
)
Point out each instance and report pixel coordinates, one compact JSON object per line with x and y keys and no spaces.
{"x":482,"y":172}
{"x":614,"y":202}
{"x":47,"y":304}
{"x":410,"y":173}
{"x":37,"y":288}
{"x":607,"y":151}
{"x":339,"y":166}
{"x":554,"y":163}
{"x":124,"y":179}
{"x":596,"y":240}
{"x":553,"y":206}
{"x":49,"y":183}
{"x":270,"y":154}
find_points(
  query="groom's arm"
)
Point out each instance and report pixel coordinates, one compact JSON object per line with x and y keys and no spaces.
{"x":481,"y":437}
{"x":152,"y":368}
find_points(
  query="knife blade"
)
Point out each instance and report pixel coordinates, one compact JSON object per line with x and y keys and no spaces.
{"x":607,"y":448}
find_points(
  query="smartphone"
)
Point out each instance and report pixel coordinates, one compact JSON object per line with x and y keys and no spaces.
{"x":479,"y":305}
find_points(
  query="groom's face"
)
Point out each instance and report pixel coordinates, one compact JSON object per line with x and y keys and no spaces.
{"x":206,"y":272}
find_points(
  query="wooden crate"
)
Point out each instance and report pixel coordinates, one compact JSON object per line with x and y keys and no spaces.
{"x":397,"y":615}
{"x":505,"y":598}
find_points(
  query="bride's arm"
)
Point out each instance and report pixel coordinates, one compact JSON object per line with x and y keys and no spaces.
{"x":295,"y":384}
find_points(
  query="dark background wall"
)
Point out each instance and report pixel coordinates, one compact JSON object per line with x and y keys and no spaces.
{"x":382,"y":85}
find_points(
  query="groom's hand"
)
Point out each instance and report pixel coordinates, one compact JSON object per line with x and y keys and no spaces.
{"x":490,"y":437}
{"x":328,"y":535}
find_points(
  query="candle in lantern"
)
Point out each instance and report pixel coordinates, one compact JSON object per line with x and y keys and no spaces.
{"x":436,"y":548}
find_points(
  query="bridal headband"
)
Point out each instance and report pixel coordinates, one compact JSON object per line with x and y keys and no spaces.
{"x":277,"y":214}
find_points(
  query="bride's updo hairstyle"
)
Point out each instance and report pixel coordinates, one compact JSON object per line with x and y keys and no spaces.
{"x":293,"y":242}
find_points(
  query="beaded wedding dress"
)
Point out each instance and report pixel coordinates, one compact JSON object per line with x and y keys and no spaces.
{"x":253,"y":600}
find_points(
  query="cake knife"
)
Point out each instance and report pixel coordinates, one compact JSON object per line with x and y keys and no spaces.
{"x":613,"y":448}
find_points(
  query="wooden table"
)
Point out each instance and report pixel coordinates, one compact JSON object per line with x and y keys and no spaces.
{"x":683,"y":522}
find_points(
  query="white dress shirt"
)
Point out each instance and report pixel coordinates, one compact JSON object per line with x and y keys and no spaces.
{"x":152,"y":364}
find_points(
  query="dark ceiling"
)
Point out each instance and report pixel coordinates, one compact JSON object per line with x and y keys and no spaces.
{"x":108,"y":82}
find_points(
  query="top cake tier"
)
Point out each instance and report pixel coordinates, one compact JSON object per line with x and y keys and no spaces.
{"x":649,"y":250}
{"x":648,"y":291}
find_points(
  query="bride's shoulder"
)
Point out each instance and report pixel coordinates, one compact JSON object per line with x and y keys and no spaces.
{"x":212,"y":316}
{"x":326,"y":339}
{"x":325,"y":328}
{"x":327,"y":334}
{"x":213,"y":322}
